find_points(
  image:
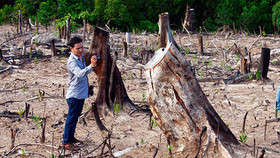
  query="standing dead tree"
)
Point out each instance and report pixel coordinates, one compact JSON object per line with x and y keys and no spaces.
{"x":188,"y":21}
{"x":106,"y":77}
{"x":181,"y":109}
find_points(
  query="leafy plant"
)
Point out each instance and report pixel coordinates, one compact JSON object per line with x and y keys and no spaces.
{"x":201,"y":74}
{"x":37,"y":121}
{"x":154,"y":123}
{"x":243,"y":137}
{"x":20,"y":112}
{"x":237,"y":57}
{"x":35,"y":59}
{"x":258,"y":74}
{"x":228,"y":68}
{"x":30,"y":55}
{"x":23,"y":152}
{"x":40,"y":95}
{"x":273,"y":62}
{"x":194,"y":58}
{"x":209,"y":63}
{"x":169,"y":147}
{"x":23,"y":89}
{"x":143,"y":96}
{"x":123,"y":79}
{"x":117,"y":107}
{"x":250,"y":76}
{"x":218,"y":90}
{"x":142,"y":141}
{"x":263,"y":33}
{"x":187,"y":51}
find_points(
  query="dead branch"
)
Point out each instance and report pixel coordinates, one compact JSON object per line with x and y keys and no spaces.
{"x":104,"y":142}
{"x":244,"y":121}
{"x":12,"y":151}
{"x":8,"y":90}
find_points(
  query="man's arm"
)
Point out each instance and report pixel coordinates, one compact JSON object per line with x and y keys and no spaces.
{"x":75,"y":69}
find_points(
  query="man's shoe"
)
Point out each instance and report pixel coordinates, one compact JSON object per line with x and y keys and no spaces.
{"x":75,"y":140}
{"x":70,"y":146}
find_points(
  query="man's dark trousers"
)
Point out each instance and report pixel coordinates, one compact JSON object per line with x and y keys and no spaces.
{"x":75,"y":109}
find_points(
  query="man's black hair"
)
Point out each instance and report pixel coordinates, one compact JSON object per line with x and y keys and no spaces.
{"x":74,"y":40}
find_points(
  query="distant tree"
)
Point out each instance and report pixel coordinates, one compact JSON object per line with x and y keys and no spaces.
{"x":276,"y":14}
{"x":256,"y":14}
{"x":99,"y":9}
{"x":6,"y":14}
{"x":28,"y":8}
{"x":46,"y":11}
{"x":118,"y":13}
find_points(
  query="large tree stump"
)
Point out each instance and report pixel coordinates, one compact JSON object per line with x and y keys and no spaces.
{"x":182,"y":110}
{"x":165,"y":34}
{"x":99,"y":46}
{"x":264,"y":63}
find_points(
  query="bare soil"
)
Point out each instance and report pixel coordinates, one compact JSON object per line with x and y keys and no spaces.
{"x":131,"y":132}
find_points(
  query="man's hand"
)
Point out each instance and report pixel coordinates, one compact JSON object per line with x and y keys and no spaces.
{"x":93,"y":61}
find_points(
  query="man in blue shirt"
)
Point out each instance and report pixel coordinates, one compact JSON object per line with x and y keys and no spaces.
{"x":78,"y":89}
{"x":277,"y":102}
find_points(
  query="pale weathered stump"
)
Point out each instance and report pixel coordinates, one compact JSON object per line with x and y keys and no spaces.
{"x":84,"y":31}
{"x":182,"y":110}
{"x":99,"y":46}
{"x":264,"y":62}
{"x":68,"y":25}
{"x":165,"y":34}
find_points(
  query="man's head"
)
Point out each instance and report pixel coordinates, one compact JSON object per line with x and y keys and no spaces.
{"x":76,"y":46}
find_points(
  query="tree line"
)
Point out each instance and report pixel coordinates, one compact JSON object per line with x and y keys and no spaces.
{"x":142,"y":15}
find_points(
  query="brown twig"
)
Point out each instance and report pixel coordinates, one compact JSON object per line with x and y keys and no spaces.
{"x":244,"y":121}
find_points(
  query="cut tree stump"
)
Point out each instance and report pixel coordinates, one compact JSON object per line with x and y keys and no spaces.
{"x":200,"y":44}
{"x":181,"y":109}
{"x":99,"y":46}
{"x":244,"y":66}
{"x":165,"y":34}
{"x":264,"y":63}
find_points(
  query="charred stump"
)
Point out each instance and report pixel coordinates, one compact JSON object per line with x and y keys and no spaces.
{"x":99,"y":46}
{"x":264,"y":63}
{"x":180,"y":107}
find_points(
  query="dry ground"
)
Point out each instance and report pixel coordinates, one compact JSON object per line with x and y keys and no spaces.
{"x":132,"y":132}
